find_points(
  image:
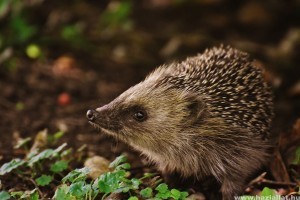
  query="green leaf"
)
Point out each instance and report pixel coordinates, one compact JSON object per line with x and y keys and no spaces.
{"x":59,"y":166}
{"x":296,"y":161}
{"x":163,"y":191}
{"x":47,"y":153}
{"x":66,"y":152}
{"x":184,"y":195}
{"x":120,"y":173}
{"x":135,"y":183}
{"x":31,"y":154}
{"x":165,"y":195}
{"x":31,"y":195}
{"x":13,"y":164}
{"x":104,"y":187}
{"x":123,"y":166}
{"x":133,"y":198}
{"x":147,"y":192}
{"x":53,"y":138}
{"x":58,"y":135}
{"x":109,"y":181}
{"x":22,"y":142}
{"x":267,"y":192}
{"x":62,"y":193}
{"x":87,"y":188}
{"x":77,"y":189}
{"x":125,"y":185}
{"x":120,"y":159}
{"x":147,"y":175}
{"x":123,"y":189}
{"x":162,"y":188}
{"x":175,"y":194}
{"x":4,"y":195}
{"x":34,"y":195}
{"x":59,"y":149}
{"x":116,"y":182}
{"x":17,"y":194}
{"x":44,"y":180}
{"x":76,"y":175}
{"x":95,"y":184}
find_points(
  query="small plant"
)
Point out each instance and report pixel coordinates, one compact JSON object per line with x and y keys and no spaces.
{"x":75,"y":185}
{"x":37,"y":170}
{"x":51,"y":170}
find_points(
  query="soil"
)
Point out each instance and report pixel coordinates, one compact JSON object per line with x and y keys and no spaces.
{"x":57,"y":90}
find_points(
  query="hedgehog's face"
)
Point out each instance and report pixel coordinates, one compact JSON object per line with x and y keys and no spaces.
{"x":148,"y":117}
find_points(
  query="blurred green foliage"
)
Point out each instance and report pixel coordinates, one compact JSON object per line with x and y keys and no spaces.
{"x":26,"y":33}
{"x":16,"y":31}
{"x":118,"y":15}
{"x":73,"y":35}
{"x":20,"y":30}
{"x":296,"y":160}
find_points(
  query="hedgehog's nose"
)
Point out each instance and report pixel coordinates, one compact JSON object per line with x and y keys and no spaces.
{"x":91,"y":115}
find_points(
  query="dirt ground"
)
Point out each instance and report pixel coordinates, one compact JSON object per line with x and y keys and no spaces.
{"x":56,"y":91}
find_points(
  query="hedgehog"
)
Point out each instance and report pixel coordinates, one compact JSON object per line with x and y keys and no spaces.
{"x":206,"y":116}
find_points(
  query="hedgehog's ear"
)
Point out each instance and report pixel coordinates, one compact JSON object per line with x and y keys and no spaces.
{"x":196,"y":107}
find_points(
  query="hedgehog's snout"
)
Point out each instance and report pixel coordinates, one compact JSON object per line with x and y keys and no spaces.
{"x":103,"y":118}
{"x":99,"y":114}
{"x":91,"y":115}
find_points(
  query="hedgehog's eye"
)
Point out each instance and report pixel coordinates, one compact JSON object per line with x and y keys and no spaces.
{"x":140,"y":115}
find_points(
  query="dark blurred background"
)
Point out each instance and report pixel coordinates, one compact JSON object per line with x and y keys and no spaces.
{"x":59,"y":58}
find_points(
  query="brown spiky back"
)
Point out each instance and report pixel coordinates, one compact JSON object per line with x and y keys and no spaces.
{"x":232,"y":87}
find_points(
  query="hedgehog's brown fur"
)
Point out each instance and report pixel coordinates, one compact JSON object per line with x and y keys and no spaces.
{"x":206,"y":116}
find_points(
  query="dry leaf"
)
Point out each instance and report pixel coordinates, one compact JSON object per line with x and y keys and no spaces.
{"x":97,"y":165}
